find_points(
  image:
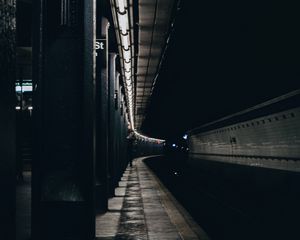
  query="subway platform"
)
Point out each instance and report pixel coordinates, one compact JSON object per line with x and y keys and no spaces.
{"x":144,"y":209}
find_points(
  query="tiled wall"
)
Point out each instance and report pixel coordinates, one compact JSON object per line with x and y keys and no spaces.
{"x":273,"y":138}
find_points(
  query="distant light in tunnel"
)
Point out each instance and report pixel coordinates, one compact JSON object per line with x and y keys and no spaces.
{"x":185,"y":136}
{"x":173,"y":145}
{"x":24,"y":88}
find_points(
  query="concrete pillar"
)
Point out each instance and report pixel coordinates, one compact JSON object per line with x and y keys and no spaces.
{"x":111,"y":124}
{"x":117,"y":127}
{"x":7,"y":122}
{"x":102,"y":86}
{"x":123,"y":138}
{"x":64,"y":120}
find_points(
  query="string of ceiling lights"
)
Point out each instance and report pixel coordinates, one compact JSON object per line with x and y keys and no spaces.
{"x":123,"y":20}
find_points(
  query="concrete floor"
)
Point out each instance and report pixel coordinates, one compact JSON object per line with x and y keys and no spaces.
{"x":23,"y":208}
{"x":141,"y":209}
{"x":144,"y":209}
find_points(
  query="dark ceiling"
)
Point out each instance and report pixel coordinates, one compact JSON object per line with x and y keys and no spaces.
{"x":224,"y":56}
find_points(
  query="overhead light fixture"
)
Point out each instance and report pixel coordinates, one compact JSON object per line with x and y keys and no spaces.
{"x":127,"y":66}
{"x":123,"y":22}
{"x":127,"y":56}
{"x":121,"y":5}
{"x":127,"y":75}
{"x":125,"y":42}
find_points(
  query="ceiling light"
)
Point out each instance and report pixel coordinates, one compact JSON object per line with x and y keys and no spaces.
{"x":127,"y":66}
{"x":127,"y":55}
{"x":125,"y":41}
{"x":127,"y":75}
{"x":123,"y":23}
{"x":121,"y":5}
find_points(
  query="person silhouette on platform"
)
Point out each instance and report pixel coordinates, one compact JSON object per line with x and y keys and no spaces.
{"x":130,"y":142}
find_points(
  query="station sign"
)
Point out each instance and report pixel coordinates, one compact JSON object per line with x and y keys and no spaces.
{"x":101,"y":52}
{"x":101,"y":47}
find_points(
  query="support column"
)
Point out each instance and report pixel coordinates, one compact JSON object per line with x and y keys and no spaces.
{"x":122,"y":139}
{"x":117,"y":128}
{"x":64,"y":120}
{"x":111,"y":124}
{"x":7,"y":122}
{"x":101,"y":170}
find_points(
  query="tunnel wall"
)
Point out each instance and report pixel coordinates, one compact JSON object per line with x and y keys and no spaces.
{"x":270,"y":140}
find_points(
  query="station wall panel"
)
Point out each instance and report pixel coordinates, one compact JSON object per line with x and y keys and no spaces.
{"x":271,"y":141}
